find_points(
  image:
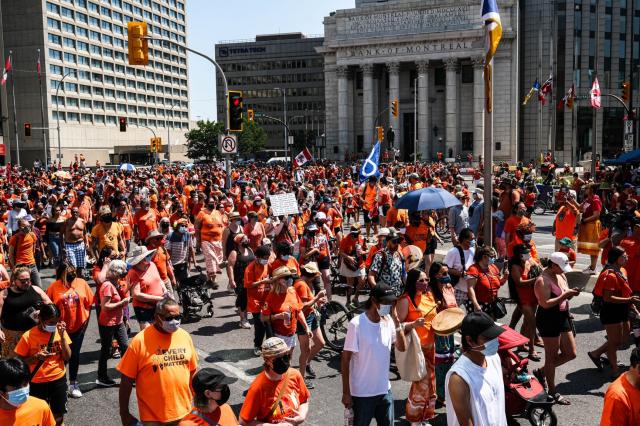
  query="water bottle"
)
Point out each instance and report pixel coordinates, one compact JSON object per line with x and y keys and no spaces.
{"x":348,"y":417}
{"x":287,"y":318}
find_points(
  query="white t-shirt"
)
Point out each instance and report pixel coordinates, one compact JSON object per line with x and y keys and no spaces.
{"x":486,"y":390}
{"x":371,"y":346}
{"x":452,"y":260}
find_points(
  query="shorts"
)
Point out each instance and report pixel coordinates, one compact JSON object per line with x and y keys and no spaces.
{"x":432,"y":245}
{"x":324,"y":263}
{"x":367,"y":220}
{"x":289,"y":340}
{"x":614,"y":313}
{"x":54,"y":393}
{"x":144,"y":314}
{"x":312,"y":323}
{"x":213,"y":256}
{"x":348,"y":273}
{"x":551,"y":323}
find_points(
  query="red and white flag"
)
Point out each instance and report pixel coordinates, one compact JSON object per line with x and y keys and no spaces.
{"x":5,"y":72}
{"x":38,"y":67}
{"x":302,"y":158}
{"x":596,"y":100}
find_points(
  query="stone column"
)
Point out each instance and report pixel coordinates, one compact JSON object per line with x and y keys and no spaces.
{"x":478,"y":107}
{"x":367,"y":106}
{"x":451,"y":117}
{"x":351,"y":94}
{"x":394,"y":93}
{"x":343,"y":107}
{"x":423,"y":109}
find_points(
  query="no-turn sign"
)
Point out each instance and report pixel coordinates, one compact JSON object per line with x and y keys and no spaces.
{"x":228,"y":144}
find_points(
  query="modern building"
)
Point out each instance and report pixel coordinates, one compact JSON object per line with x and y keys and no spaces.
{"x":576,"y":41}
{"x":429,"y":56}
{"x":4,"y":116}
{"x":87,"y":83}
{"x":273,"y":69}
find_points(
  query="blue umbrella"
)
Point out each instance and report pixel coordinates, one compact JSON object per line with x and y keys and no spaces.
{"x":127,"y":167}
{"x":188,"y":166}
{"x":427,"y":199}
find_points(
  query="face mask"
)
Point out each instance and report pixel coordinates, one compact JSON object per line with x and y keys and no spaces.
{"x":527,"y":237}
{"x":17,"y":397}
{"x":472,"y":243}
{"x":490,"y":348}
{"x":492,"y":260}
{"x":285,"y":257}
{"x":355,"y":235}
{"x":70,"y":277}
{"x":263,"y":262}
{"x":526,"y":257}
{"x":238,"y":222}
{"x":211,"y":206}
{"x":422,"y":286}
{"x":258,"y":204}
{"x":182,"y":229}
{"x":171,"y":326}
{"x":49,"y":328}
{"x":446,"y":279}
{"x":384,"y":310}
{"x":225,"y":393}
{"x":281,"y":365}
{"x":106,"y":219}
{"x":26,"y":229}
{"x":289,"y":282}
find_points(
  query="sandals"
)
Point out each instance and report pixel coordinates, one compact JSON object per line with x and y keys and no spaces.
{"x":596,"y":361}
{"x":534,"y":357}
{"x":559,"y":399}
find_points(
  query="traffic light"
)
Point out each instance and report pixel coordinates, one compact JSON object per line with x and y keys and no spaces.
{"x":158,"y":144}
{"x":152,"y":146}
{"x":626,"y":91}
{"x":235,"y":111}
{"x":27,"y":129}
{"x":380,"y":131}
{"x":123,"y":124}
{"x":250,"y":115}
{"x":394,"y":107}
{"x":138,"y":44}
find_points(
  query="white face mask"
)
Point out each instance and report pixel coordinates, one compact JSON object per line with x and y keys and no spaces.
{"x":49,"y":328}
{"x":384,"y":310}
{"x":526,"y":257}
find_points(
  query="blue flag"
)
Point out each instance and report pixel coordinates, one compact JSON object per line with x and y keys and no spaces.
{"x":370,"y":165}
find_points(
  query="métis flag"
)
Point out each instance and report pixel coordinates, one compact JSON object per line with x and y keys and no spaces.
{"x":303,"y":158}
{"x":534,"y":89}
{"x":493,"y":34}
{"x":370,"y":165}
{"x":5,"y":72}
{"x":596,"y":100}
{"x":546,"y":89}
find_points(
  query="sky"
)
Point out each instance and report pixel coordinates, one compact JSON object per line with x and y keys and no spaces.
{"x":212,"y":21}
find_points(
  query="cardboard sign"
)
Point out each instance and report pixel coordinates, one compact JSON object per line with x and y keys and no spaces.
{"x":284,"y":204}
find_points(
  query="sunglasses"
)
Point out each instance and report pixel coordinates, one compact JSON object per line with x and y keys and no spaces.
{"x":24,"y":280}
{"x":396,"y":240}
{"x":423,"y":280}
{"x":173,"y":317}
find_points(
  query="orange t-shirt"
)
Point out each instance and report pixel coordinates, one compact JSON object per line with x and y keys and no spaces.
{"x":348,"y":247}
{"x":305,"y":293}
{"x":370,"y":195}
{"x":255,"y":295}
{"x":33,"y":412}
{"x":394,"y":215}
{"x":126,"y":220}
{"x":425,"y":309}
{"x":24,"y":248}
{"x":621,"y":404}
{"x":565,"y":223}
{"x":487,"y":283}
{"x":162,"y":365}
{"x":35,"y":340}
{"x":276,"y":303}
{"x":212,"y":226}
{"x":419,"y":235}
{"x":74,"y":302}
{"x":146,"y":222}
{"x":160,"y":258}
{"x":263,"y":393}
{"x":336,"y":218}
{"x":223,"y":416}
{"x":631,"y":245}
{"x":613,"y":282}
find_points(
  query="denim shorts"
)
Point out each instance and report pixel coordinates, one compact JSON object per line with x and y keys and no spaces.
{"x":144,"y":314}
{"x":312,"y":323}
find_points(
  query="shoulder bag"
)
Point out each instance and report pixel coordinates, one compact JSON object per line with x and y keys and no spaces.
{"x":497,"y":307}
{"x":454,"y":278}
{"x":411,"y":364}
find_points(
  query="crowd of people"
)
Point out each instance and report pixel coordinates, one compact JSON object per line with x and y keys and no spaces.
{"x":119,"y":240}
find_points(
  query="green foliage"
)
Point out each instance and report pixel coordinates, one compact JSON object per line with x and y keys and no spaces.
{"x":203,"y":140}
{"x":253,"y":138}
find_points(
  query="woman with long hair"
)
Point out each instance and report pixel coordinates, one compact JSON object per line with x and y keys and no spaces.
{"x":521,"y":286}
{"x":240,"y":256}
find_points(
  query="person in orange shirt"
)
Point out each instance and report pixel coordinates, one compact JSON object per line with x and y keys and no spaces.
{"x":46,"y":349}
{"x":162,"y":259}
{"x":369,"y":197}
{"x":256,"y":281}
{"x":144,"y":221}
{"x":17,"y":406}
{"x":73,"y":297}
{"x":211,"y":393}
{"x":161,"y":360}
{"x":418,"y":232}
{"x":565,"y":222}
{"x":622,"y":400}
{"x":209,"y":226}
{"x":284,"y":258}
{"x":278,"y":394}
{"x":353,"y":249}
{"x":124,"y":218}
{"x":22,"y":249}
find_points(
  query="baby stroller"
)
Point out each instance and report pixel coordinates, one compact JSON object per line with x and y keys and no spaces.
{"x":194,"y":295}
{"x":524,"y":394}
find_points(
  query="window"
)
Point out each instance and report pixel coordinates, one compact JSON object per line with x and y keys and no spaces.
{"x":117,"y":16}
{"x":82,"y":17}
{"x":81,"y":3}
{"x":69,"y":57}
{"x":108,"y":79}
{"x":67,"y":13}
{"x":104,"y":11}
{"x":55,"y":54}
{"x":111,"y":121}
{"x":98,"y":105}
{"x":70,"y":43}
{"x":97,"y":77}
{"x":72,"y":102}
{"x":55,"y":69}
{"x":467,"y":141}
{"x":82,"y":32}
{"x":83,"y":60}
{"x":111,"y":106}
{"x":94,"y":35}
{"x":73,"y":117}
{"x":133,"y":109}
{"x":84,"y":75}
{"x":109,"y":93}
{"x":94,"y":22}
{"x":53,"y":8}
{"x":70,"y":28}
{"x":98,"y":119}
{"x":98,"y":91}
{"x":96,"y":50}
{"x":93,"y":7}
{"x":86,"y":118}
{"x":107,"y":26}
{"x":57,"y":100}
{"x":82,"y":46}
{"x":54,"y":39}
{"x":53,"y":23}
{"x":84,"y":89}
{"x":122,"y":108}
{"x":107,"y":39}
{"x":95,"y":63}
{"x":85,"y":103}
{"x":108,"y":66}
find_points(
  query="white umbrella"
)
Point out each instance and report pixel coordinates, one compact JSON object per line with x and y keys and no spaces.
{"x":127,"y":167}
{"x":188,"y":166}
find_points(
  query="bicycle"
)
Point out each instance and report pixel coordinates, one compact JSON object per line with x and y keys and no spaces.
{"x":334,"y":321}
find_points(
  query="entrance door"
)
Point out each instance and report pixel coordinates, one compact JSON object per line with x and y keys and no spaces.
{"x":408,"y":136}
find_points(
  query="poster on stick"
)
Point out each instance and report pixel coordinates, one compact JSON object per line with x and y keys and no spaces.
{"x":284,"y":204}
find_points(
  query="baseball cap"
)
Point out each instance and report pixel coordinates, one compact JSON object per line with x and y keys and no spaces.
{"x":209,"y":379}
{"x":384,"y":294}
{"x":480,"y":324}
{"x":561,"y":260}
{"x":566,"y":241}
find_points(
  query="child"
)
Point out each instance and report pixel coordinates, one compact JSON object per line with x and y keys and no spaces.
{"x":566,"y":245}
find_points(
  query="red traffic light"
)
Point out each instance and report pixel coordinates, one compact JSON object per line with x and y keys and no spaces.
{"x":27,"y":129}
{"x":123,"y":124}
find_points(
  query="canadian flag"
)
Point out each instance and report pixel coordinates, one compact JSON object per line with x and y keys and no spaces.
{"x":302,"y":158}
{"x":595,"y":94}
{"x":5,"y":72}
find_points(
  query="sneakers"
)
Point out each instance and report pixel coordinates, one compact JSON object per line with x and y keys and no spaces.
{"x":106,"y":382}
{"x":589,"y":271}
{"x":257,"y":352}
{"x":115,"y":353}
{"x":310,"y":372}
{"x":245,"y":324}
{"x":74,"y":390}
{"x":309,"y":384}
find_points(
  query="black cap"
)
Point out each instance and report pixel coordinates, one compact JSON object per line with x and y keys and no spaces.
{"x":480,"y":324}
{"x":384,"y":294}
{"x":209,"y":379}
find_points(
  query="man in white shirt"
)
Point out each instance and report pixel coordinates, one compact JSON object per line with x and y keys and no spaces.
{"x":453,"y":259}
{"x":474,"y":386}
{"x":366,"y":357}
{"x":15,"y":214}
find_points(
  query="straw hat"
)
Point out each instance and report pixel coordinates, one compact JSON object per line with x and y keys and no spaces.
{"x":412,"y":256}
{"x":153,"y":234}
{"x":234,"y":215}
{"x":139,"y":253}
{"x":273,"y":347}
{"x":238,"y":238}
{"x":311,"y":268}
{"x":281,"y":272}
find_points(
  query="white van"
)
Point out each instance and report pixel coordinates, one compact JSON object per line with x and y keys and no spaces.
{"x":278,"y":160}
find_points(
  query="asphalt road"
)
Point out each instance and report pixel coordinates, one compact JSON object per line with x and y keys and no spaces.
{"x":222,"y":344}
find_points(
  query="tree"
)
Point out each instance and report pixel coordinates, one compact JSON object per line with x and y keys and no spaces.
{"x":253,"y":138}
{"x":203,"y":141}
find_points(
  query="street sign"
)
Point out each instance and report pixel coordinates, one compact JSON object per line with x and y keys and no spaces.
{"x":628,"y":142}
{"x":628,"y":127}
{"x":228,"y":144}
{"x":291,"y":140}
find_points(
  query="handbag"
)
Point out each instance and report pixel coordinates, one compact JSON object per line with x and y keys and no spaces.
{"x":411,"y":364}
{"x":497,"y":307}
{"x":454,"y":278}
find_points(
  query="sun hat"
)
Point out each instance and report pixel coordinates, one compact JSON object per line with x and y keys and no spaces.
{"x":153,"y":234}
{"x":383,"y":232}
{"x":311,"y":268}
{"x":137,"y":254}
{"x":238,"y":238}
{"x":412,"y":256}
{"x":104,"y":210}
{"x":273,"y":347}
{"x":234,"y":215}
{"x":281,"y":272}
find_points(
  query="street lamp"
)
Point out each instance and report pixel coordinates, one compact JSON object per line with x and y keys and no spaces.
{"x":286,"y":131}
{"x":169,"y":133}
{"x":58,"y":112}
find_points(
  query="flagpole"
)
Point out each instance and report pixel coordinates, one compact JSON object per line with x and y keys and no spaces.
{"x":15,"y":119}
{"x":594,"y":119}
{"x":44,"y":132}
{"x":540,"y":75}
{"x":488,"y":158}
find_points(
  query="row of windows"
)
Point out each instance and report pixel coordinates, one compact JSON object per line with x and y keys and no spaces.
{"x":272,"y":80}
{"x":300,"y":107}
{"x":110,"y":120}
{"x":293,"y":92}
{"x":127,"y":7}
{"x":61,"y":101}
{"x":122,"y":95}
{"x":273,"y":65}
